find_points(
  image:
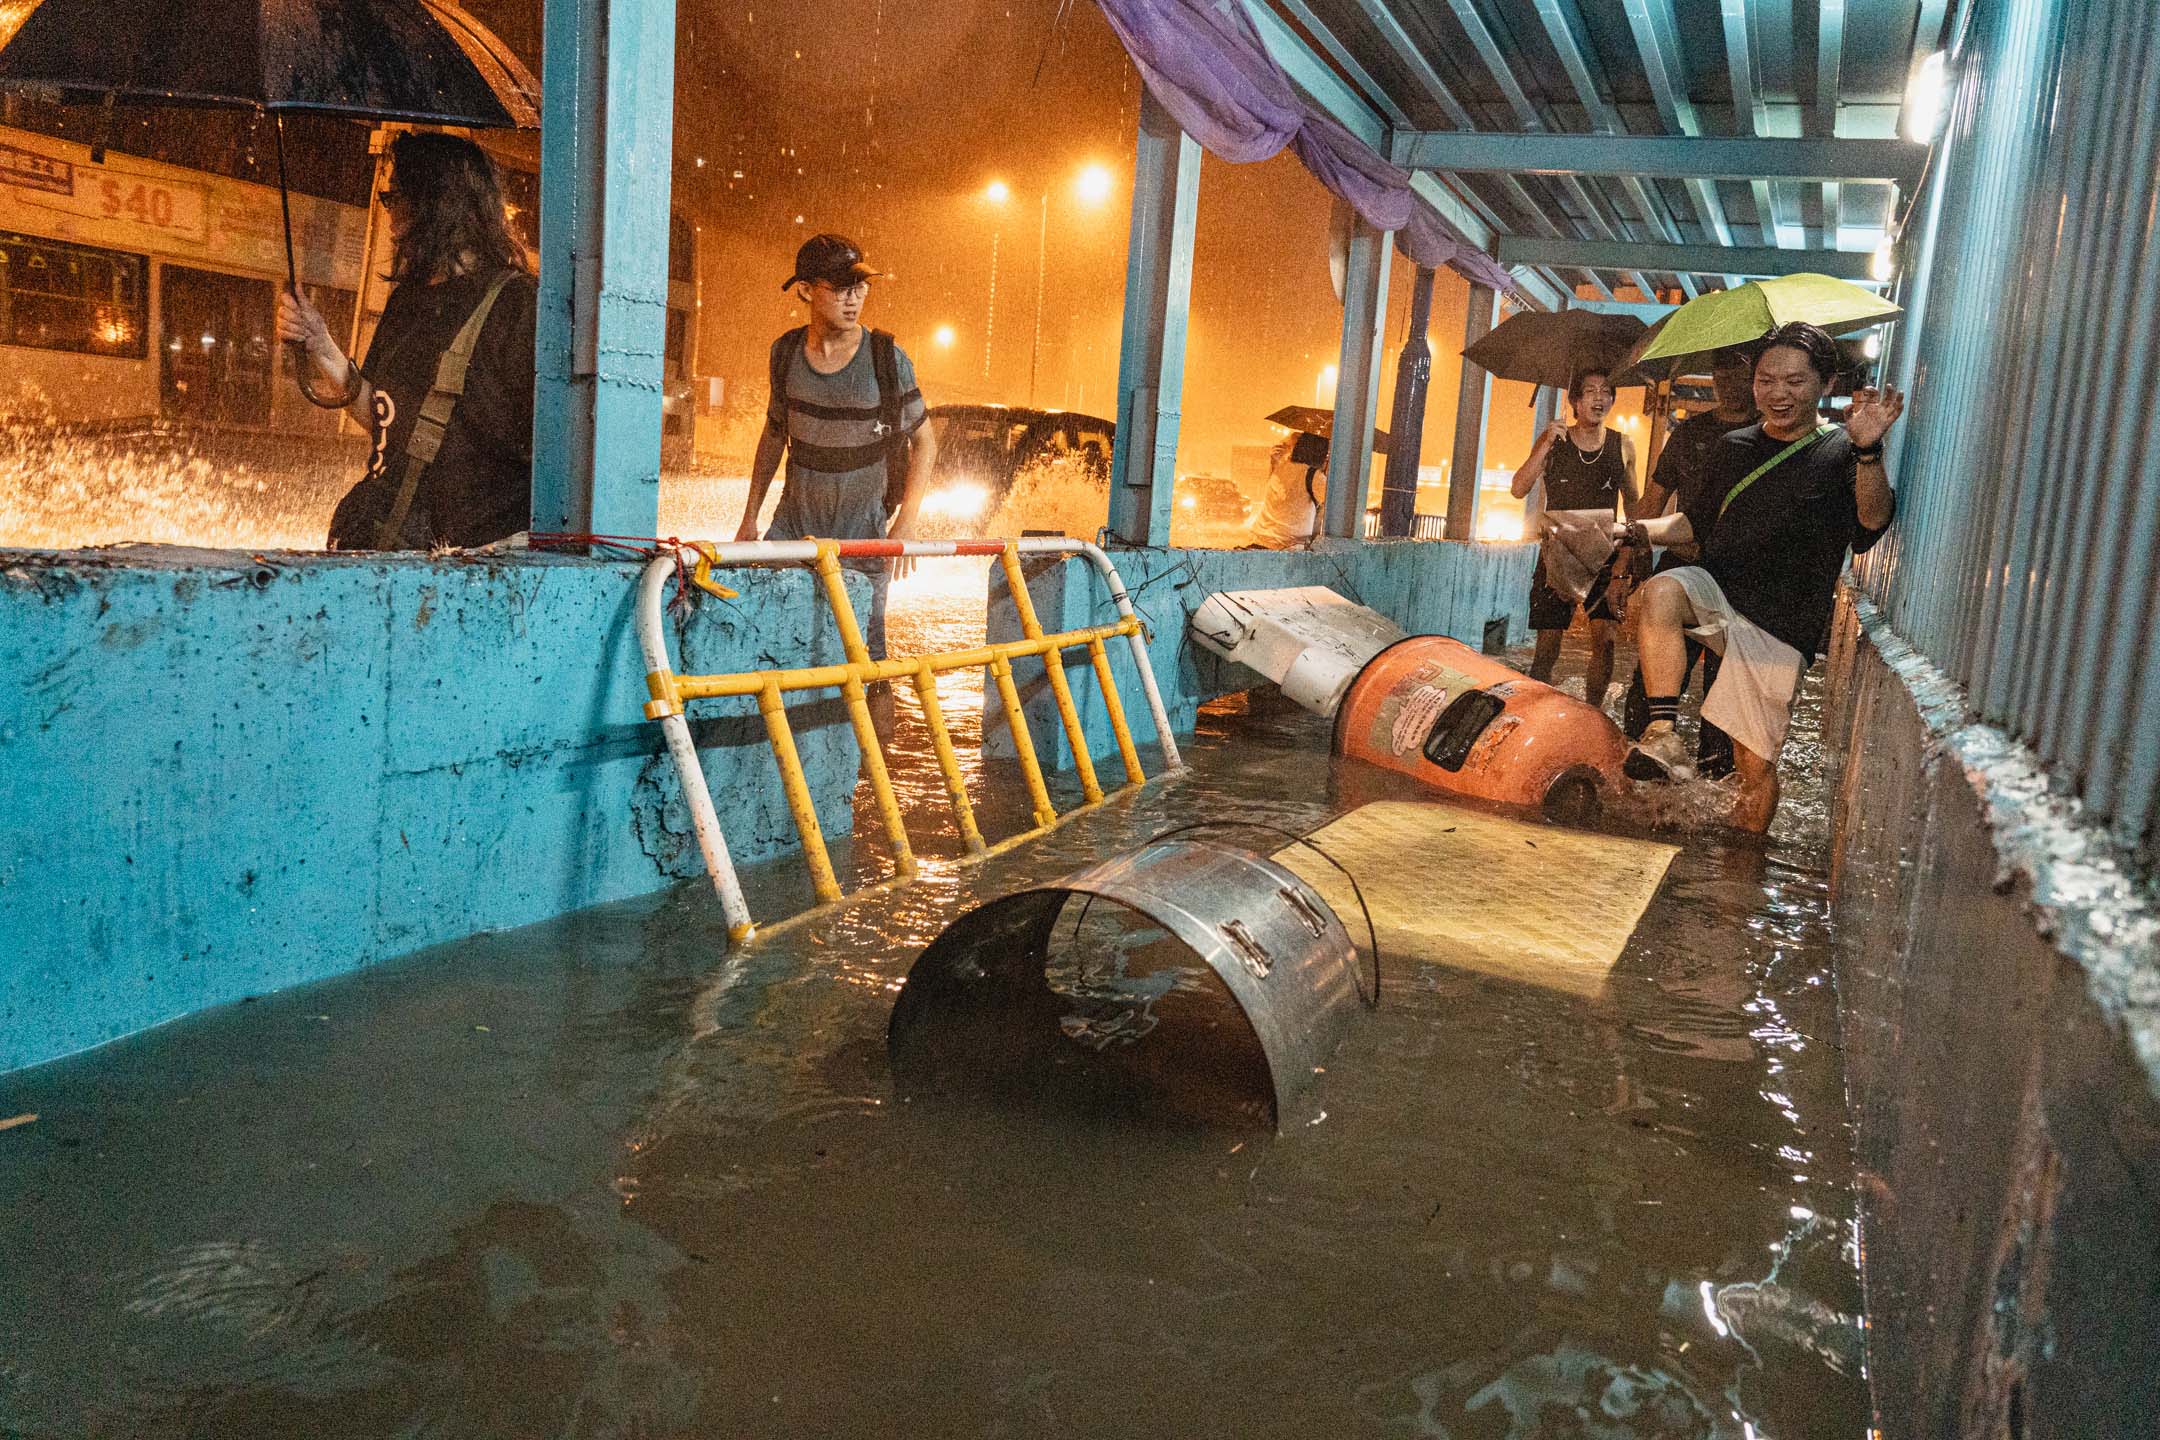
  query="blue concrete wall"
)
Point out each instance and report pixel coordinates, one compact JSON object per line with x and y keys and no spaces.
{"x":1427,"y":587}
{"x":226,"y":776}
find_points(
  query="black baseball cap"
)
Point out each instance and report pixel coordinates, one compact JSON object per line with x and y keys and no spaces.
{"x":835,"y":259}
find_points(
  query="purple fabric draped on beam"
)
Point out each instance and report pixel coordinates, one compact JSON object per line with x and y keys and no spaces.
{"x":1207,"y":65}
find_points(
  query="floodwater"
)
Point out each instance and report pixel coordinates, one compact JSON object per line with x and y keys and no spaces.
{"x":598,"y":1177}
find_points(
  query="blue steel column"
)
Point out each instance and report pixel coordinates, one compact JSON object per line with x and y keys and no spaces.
{"x":1151,"y":353}
{"x":1406,"y":422}
{"x":1468,"y":464}
{"x":1357,"y":386}
{"x":606,"y":173}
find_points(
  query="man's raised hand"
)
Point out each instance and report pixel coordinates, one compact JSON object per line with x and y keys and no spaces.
{"x":1872,"y":413}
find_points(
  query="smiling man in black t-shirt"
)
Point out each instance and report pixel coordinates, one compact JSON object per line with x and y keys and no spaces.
{"x":1683,"y":480}
{"x":1796,"y":494}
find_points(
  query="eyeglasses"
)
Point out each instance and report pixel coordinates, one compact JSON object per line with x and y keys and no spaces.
{"x":847,"y":292}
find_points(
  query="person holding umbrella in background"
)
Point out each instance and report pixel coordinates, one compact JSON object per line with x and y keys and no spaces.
{"x":447,"y":390}
{"x":1579,"y":351}
{"x":1584,"y":466}
{"x":450,"y":372}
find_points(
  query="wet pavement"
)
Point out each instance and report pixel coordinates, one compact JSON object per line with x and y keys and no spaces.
{"x":599,"y":1178}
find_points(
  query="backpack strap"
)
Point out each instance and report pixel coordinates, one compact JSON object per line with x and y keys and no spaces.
{"x":885,"y":363}
{"x":436,"y":411}
{"x":779,"y":362}
{"x":1773,"y":462}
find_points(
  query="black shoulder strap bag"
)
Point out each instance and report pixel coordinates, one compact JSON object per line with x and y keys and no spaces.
{"x":436,"y":411}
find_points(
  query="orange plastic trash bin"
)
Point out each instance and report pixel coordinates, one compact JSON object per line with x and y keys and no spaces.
{"x":1465,"y":724}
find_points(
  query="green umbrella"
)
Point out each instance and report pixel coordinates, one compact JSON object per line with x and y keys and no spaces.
{"x":1681,"y":343}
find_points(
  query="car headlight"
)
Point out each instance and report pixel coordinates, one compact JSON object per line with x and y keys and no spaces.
{"x":957,"y":500}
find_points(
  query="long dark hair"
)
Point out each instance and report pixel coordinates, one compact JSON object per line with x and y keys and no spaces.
{"x":456,"y":196}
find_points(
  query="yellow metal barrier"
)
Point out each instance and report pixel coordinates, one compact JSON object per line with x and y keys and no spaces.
{"x":671,"y":691}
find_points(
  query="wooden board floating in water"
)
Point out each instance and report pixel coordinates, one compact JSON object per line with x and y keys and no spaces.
{"x":1455,"y":887}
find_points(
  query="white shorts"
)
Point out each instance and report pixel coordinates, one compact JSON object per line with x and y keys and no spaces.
{"x":1752,"y":697}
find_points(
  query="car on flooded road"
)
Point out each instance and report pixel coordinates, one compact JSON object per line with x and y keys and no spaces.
{"x":1214,"y":501}
{"x":1002,"y":469}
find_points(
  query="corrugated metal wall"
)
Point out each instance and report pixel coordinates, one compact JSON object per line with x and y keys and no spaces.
{"x":2023,"y":560}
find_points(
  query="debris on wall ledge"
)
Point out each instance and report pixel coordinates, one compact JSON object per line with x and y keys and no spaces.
{"x":143,"y":555}
{"x":2088,"y":897}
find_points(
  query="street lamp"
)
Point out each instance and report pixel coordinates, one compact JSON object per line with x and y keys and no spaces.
{"x":1093,"y":186}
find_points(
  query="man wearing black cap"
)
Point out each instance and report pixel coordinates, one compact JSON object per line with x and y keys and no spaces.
{"x":849,"y":417}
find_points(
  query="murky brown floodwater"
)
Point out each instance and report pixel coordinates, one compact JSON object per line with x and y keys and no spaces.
{"x":599,"y":1178}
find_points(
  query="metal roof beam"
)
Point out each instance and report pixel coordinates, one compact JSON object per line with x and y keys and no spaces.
{"x":1316,"y":79}
{"x":1330,"y":92}
{"x":1545,"y":295}
{"x":1541,"y":290}
{"x":1413,"y":59}
{"x":1564,"y":27}
{"x":1747,"y":104}
{"x":1540,"y":222}
{"x":1649,"y":314}
{"x":1657,"y":40}
{"x":1340,"y":54}
{"x":1527,"y":116}
{"x":1829,"y":60}
{"x":1697,"y":259}
{"x":1677,"y":157}
{"x":1383,"y":19}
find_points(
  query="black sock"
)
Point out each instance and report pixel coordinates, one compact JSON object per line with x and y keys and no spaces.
{"x":1666,"y":708}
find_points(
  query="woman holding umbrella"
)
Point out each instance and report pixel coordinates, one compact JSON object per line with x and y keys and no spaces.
{"x":1585,"y":467}
{"x":452,"y":440}
{"x":447,"y":387}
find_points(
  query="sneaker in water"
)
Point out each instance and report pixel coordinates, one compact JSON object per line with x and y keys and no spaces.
{"x":1659,"y":755}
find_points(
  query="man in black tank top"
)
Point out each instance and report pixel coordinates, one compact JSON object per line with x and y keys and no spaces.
{"x":1585,"y":467}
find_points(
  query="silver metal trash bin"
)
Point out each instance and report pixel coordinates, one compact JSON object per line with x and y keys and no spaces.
{"x":982,"y":996}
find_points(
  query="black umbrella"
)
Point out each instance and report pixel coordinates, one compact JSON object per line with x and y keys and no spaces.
{"x":419,"y":60}
{"x":1550,"y":347}
{"x":1312,"y":420}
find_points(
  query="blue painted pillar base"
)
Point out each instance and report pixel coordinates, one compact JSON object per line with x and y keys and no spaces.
{"x":606,"y":180}
{"x":1467,"y":466}
{"x":1357,"y":388}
